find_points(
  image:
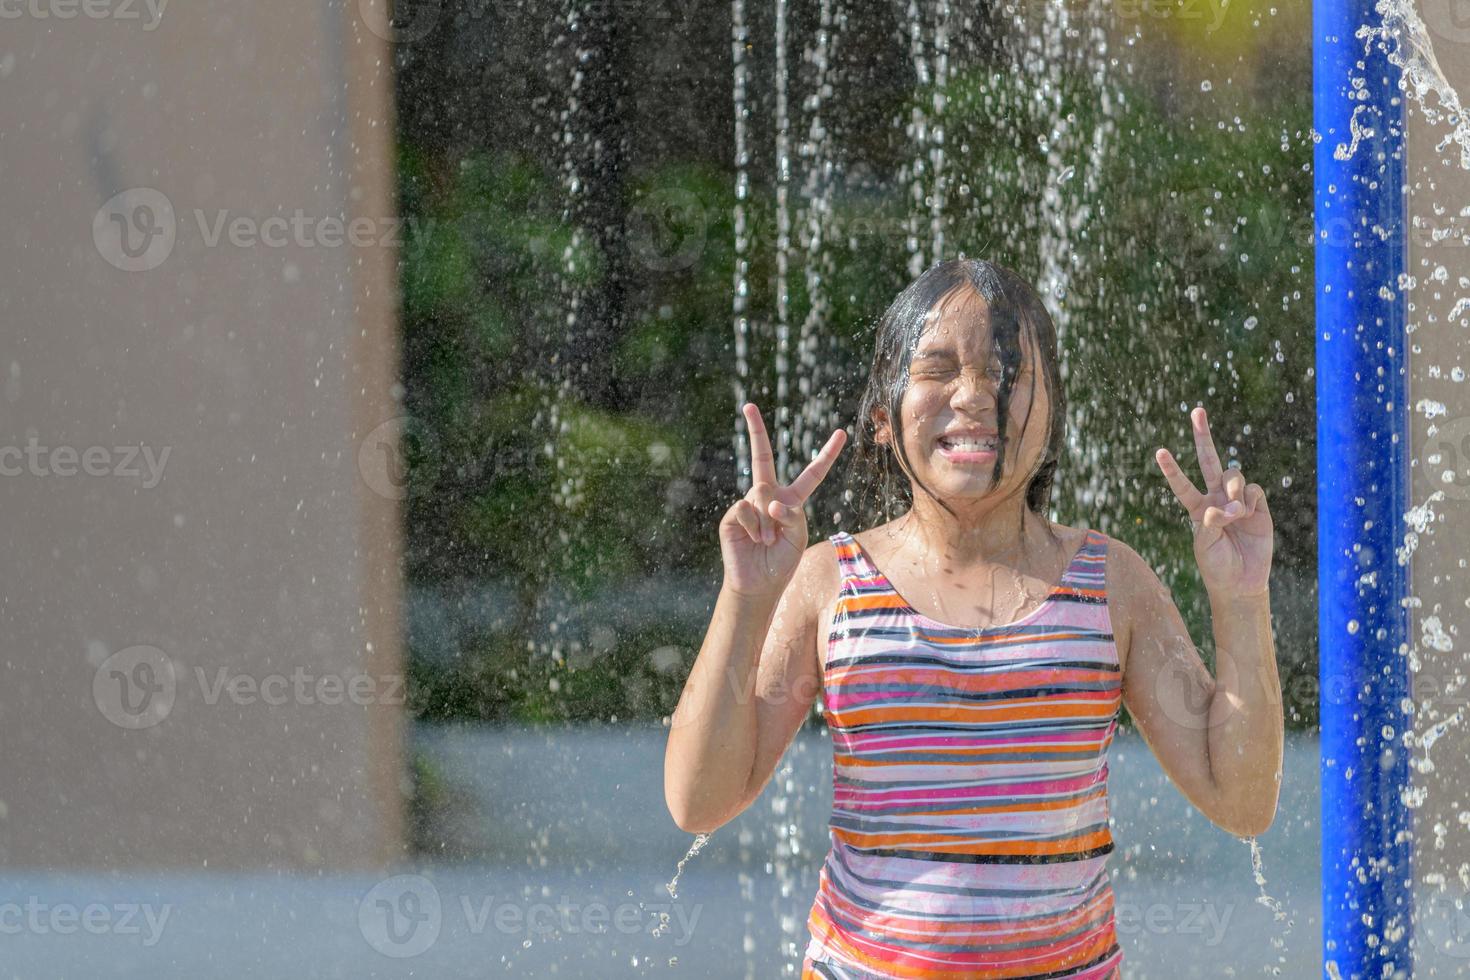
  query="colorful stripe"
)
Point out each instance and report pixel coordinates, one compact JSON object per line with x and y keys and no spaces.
{"x":969,"y":829}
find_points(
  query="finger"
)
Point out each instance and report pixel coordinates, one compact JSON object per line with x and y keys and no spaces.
{"x":768,"y":526}
{"x":1211,"y":527}
{"x":1255,"y":497}
{"x":1182,"y":486}
{"x":1218,"y":517}
{"x":749,"y":517}
{"x":1234,"y":484}
{"x":783,"y":514}
{"x":1204,"y":447}
{"x":762,"y":462}
{"x":816,"y":471}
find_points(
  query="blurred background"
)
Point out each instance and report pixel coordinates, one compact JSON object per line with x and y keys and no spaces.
{"x":370,"y":389}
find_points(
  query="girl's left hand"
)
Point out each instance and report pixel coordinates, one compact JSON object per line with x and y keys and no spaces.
{"x":1233,"y":534}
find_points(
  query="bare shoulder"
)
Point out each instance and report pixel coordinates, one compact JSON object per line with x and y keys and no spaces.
{"x":816,"y":580}
{"x":1125,"y":571}
{"x":1123,"y":557}
{"x":1073,"y":536}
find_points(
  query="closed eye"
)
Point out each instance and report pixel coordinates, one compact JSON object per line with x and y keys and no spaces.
{"x":994,"y":374}
{"x":940,"y":364}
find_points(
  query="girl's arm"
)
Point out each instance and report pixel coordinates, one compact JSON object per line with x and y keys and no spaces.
{"x":751,"y":688}
{"x":755,"y":677}
{"x":1220,"y":738}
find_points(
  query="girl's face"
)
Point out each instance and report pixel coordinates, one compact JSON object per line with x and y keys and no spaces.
{"x":953,"y":383}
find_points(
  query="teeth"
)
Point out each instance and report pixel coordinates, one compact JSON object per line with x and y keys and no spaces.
{"x":969,"y":444}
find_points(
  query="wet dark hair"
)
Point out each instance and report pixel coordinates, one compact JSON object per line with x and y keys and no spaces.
{"x":1014,"y":308}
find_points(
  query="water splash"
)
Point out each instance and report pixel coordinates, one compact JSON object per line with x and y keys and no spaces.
{"x":812,"y":419}
{"x":1065,"y":210}
{"x":1278,"y":942}
{"x":557,"y":384}
{"x":1419,"y":519}
{"x":786,"y":808}
{"x":1407,"y":44}
{"x":918,"y":134}
{"x":782,"y":430}
{"x":936,"y":131}
{"x":740,"y":301}
{"x":1257,"y":871}
{"x":699,"y":841}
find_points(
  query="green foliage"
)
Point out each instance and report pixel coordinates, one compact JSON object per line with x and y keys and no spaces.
{"x":494,"y":680}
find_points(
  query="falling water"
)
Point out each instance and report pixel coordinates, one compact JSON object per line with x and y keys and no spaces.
{"x":741,"y":291}
{"x":672,"y":887}
{"x":1277,"y":912}
{"x":1413,"y":52}
{"x":810,"y":421}
{"x":936,"y":131}
{"x":568,"y":487}
{"x":1065,"y":211}
{"x":1061,"y":44}
{"x":924,"y":170}
{"x":918,"y":133}
{"x":783,"y":248}
{"x":1048,"y":54}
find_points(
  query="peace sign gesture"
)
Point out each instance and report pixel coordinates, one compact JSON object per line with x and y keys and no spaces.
{"x":763,"y":535}
{"x":1233,"y":534}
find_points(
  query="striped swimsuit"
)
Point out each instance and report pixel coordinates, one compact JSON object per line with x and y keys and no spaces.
{"x":969,"y":829}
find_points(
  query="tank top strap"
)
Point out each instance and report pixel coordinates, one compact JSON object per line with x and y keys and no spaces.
{"x":851,"y":559}
{"x":1085,"y":571}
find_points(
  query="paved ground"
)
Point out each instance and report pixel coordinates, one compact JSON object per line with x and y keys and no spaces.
{"x":556,"y":849}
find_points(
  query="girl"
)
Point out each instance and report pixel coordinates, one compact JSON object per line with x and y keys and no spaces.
{"x":973,"y":656}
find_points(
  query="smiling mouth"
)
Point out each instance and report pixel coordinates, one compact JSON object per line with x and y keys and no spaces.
{"x":968,"y":445}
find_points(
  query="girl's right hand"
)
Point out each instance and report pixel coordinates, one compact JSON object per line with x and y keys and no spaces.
{"x":763,"y":536}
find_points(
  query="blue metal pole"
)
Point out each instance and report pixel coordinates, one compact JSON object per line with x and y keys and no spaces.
{"x":1362,"y":493}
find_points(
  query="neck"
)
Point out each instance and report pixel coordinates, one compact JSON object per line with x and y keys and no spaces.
{"x":978,"y":531}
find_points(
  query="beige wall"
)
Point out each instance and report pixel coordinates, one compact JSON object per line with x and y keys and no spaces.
{"x":260,"y":548}
{"x":1437,"y":346}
